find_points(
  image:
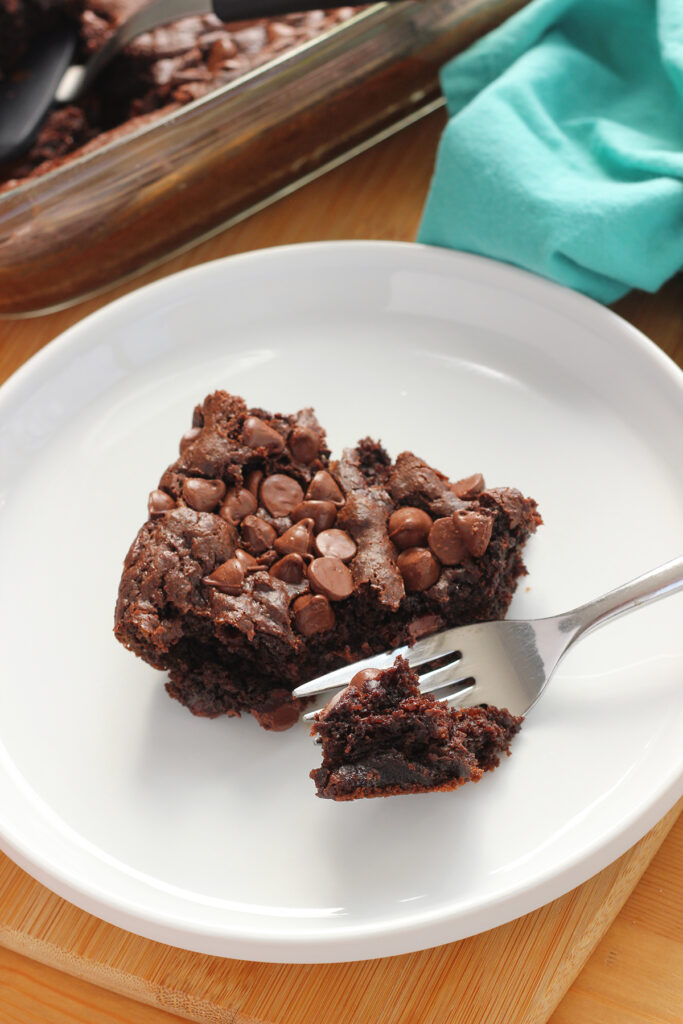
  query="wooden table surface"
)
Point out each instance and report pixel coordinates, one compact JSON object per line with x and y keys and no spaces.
{"x":635,"y":975}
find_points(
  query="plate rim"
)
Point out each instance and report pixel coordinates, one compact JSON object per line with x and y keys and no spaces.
{"x":402,"y":934}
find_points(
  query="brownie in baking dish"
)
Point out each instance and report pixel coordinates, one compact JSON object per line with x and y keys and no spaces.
{"x":159,"y":71}
{"x":263,"y":563}
{"x":380,"y":737}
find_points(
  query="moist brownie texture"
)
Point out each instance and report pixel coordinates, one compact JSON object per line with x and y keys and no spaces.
{"x":160,"y":70}
{"x":380,"y":736}
{"x":264,"y":564}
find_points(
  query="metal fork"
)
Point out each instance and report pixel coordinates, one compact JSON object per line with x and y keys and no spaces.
{"x":506,"y":663}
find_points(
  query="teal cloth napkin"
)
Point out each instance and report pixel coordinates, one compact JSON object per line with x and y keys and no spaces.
{"x":564,"y":149}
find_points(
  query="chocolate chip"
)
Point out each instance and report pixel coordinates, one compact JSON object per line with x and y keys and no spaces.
{"x":313,"y":614}
{"x":323,"y":513}
{"x":446,"y":542}
{"x":228,"y":577}
{"x":365,"y":676}
{"x":203,"y":495}
{"x":298,"y":539}
{"x":247,"y":561}
{"x":290,"y":569}
{"x":258,"y":434}
{"x":280,"y":30}
{"x":469,"y":486}
{"x":363,"y":680}
{"x":221,"y":50}
{"x":329,"y":576}
{"x":258,"y":534}
{"x":239,"y":502}
{"x":323,"y":487}
{"x":188,"y":437}
{"x":409,"y":527}
{"x":280,"y":494}
{"x":475,"y":528}
{"x":253,"y":481}
{"x":419,"y":568}
{"x":251,"y":39}
{"x":304,"y":444}
{"x":336,"y":543}
{"x":159,"y":502}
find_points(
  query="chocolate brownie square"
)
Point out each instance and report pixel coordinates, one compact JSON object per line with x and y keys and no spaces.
{"x":264,"y":564}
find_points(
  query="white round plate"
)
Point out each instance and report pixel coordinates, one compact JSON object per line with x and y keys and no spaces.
{"x":207,"y":834}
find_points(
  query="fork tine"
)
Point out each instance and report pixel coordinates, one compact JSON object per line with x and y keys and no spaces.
{"x":446,"y":675}
{"x":464,"y":691}
{"x":341,"y":676}
{"x":460,"y":689}
{"x":431,"y":647}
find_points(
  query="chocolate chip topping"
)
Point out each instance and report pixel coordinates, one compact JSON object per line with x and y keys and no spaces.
{"x":329,"y":576}
{"x":253,"y":481}
{"x":304,"y":444}
{"x":247,"y":561}
{"x":313,"y":614}
{"x":188,"y":437}
{"x":323,"y":487}
{"x":239,"y":502}
{"x":160,"y":502}
{"x":336,"y":544}
{"x":446,"y":542}
{"x":469,"y":486}
{"x":290,"y":569}
{"x":365,"y":676}
{"x":203,"y":495}
{"x":363,"y":680}
{"x":419,"y":569}
{"x":298,"y":539}
{"x":258,"y":534}
{"x":409,"y":527}
{"x":280,"y":494}
{"x":258,"y":434}
{"x":228,"y":577}
{"x":475,"y":528}
{"x":323,"y":513}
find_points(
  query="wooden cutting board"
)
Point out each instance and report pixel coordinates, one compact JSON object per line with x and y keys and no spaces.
{"x":515,"y":974}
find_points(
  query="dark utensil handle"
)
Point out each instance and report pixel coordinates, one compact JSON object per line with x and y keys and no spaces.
{"x":26,"y":97}
{"x":243,"y":10}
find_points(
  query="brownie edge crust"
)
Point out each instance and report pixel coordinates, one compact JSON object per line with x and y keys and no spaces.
{"x":263,"y":563}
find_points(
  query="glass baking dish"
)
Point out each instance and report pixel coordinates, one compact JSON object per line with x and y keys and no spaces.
{"x":144,"y":195}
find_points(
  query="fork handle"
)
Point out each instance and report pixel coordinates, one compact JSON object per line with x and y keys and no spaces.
{"x":661,"y":582}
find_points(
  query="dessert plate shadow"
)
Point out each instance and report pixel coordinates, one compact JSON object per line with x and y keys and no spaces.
{"x":207,"y":834}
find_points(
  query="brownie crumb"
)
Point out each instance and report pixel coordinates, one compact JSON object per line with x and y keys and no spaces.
{"x":381,"y":737}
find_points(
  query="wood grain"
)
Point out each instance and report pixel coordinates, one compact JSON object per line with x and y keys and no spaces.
{"x":511,"y":975}
{"x":635,"y":974}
